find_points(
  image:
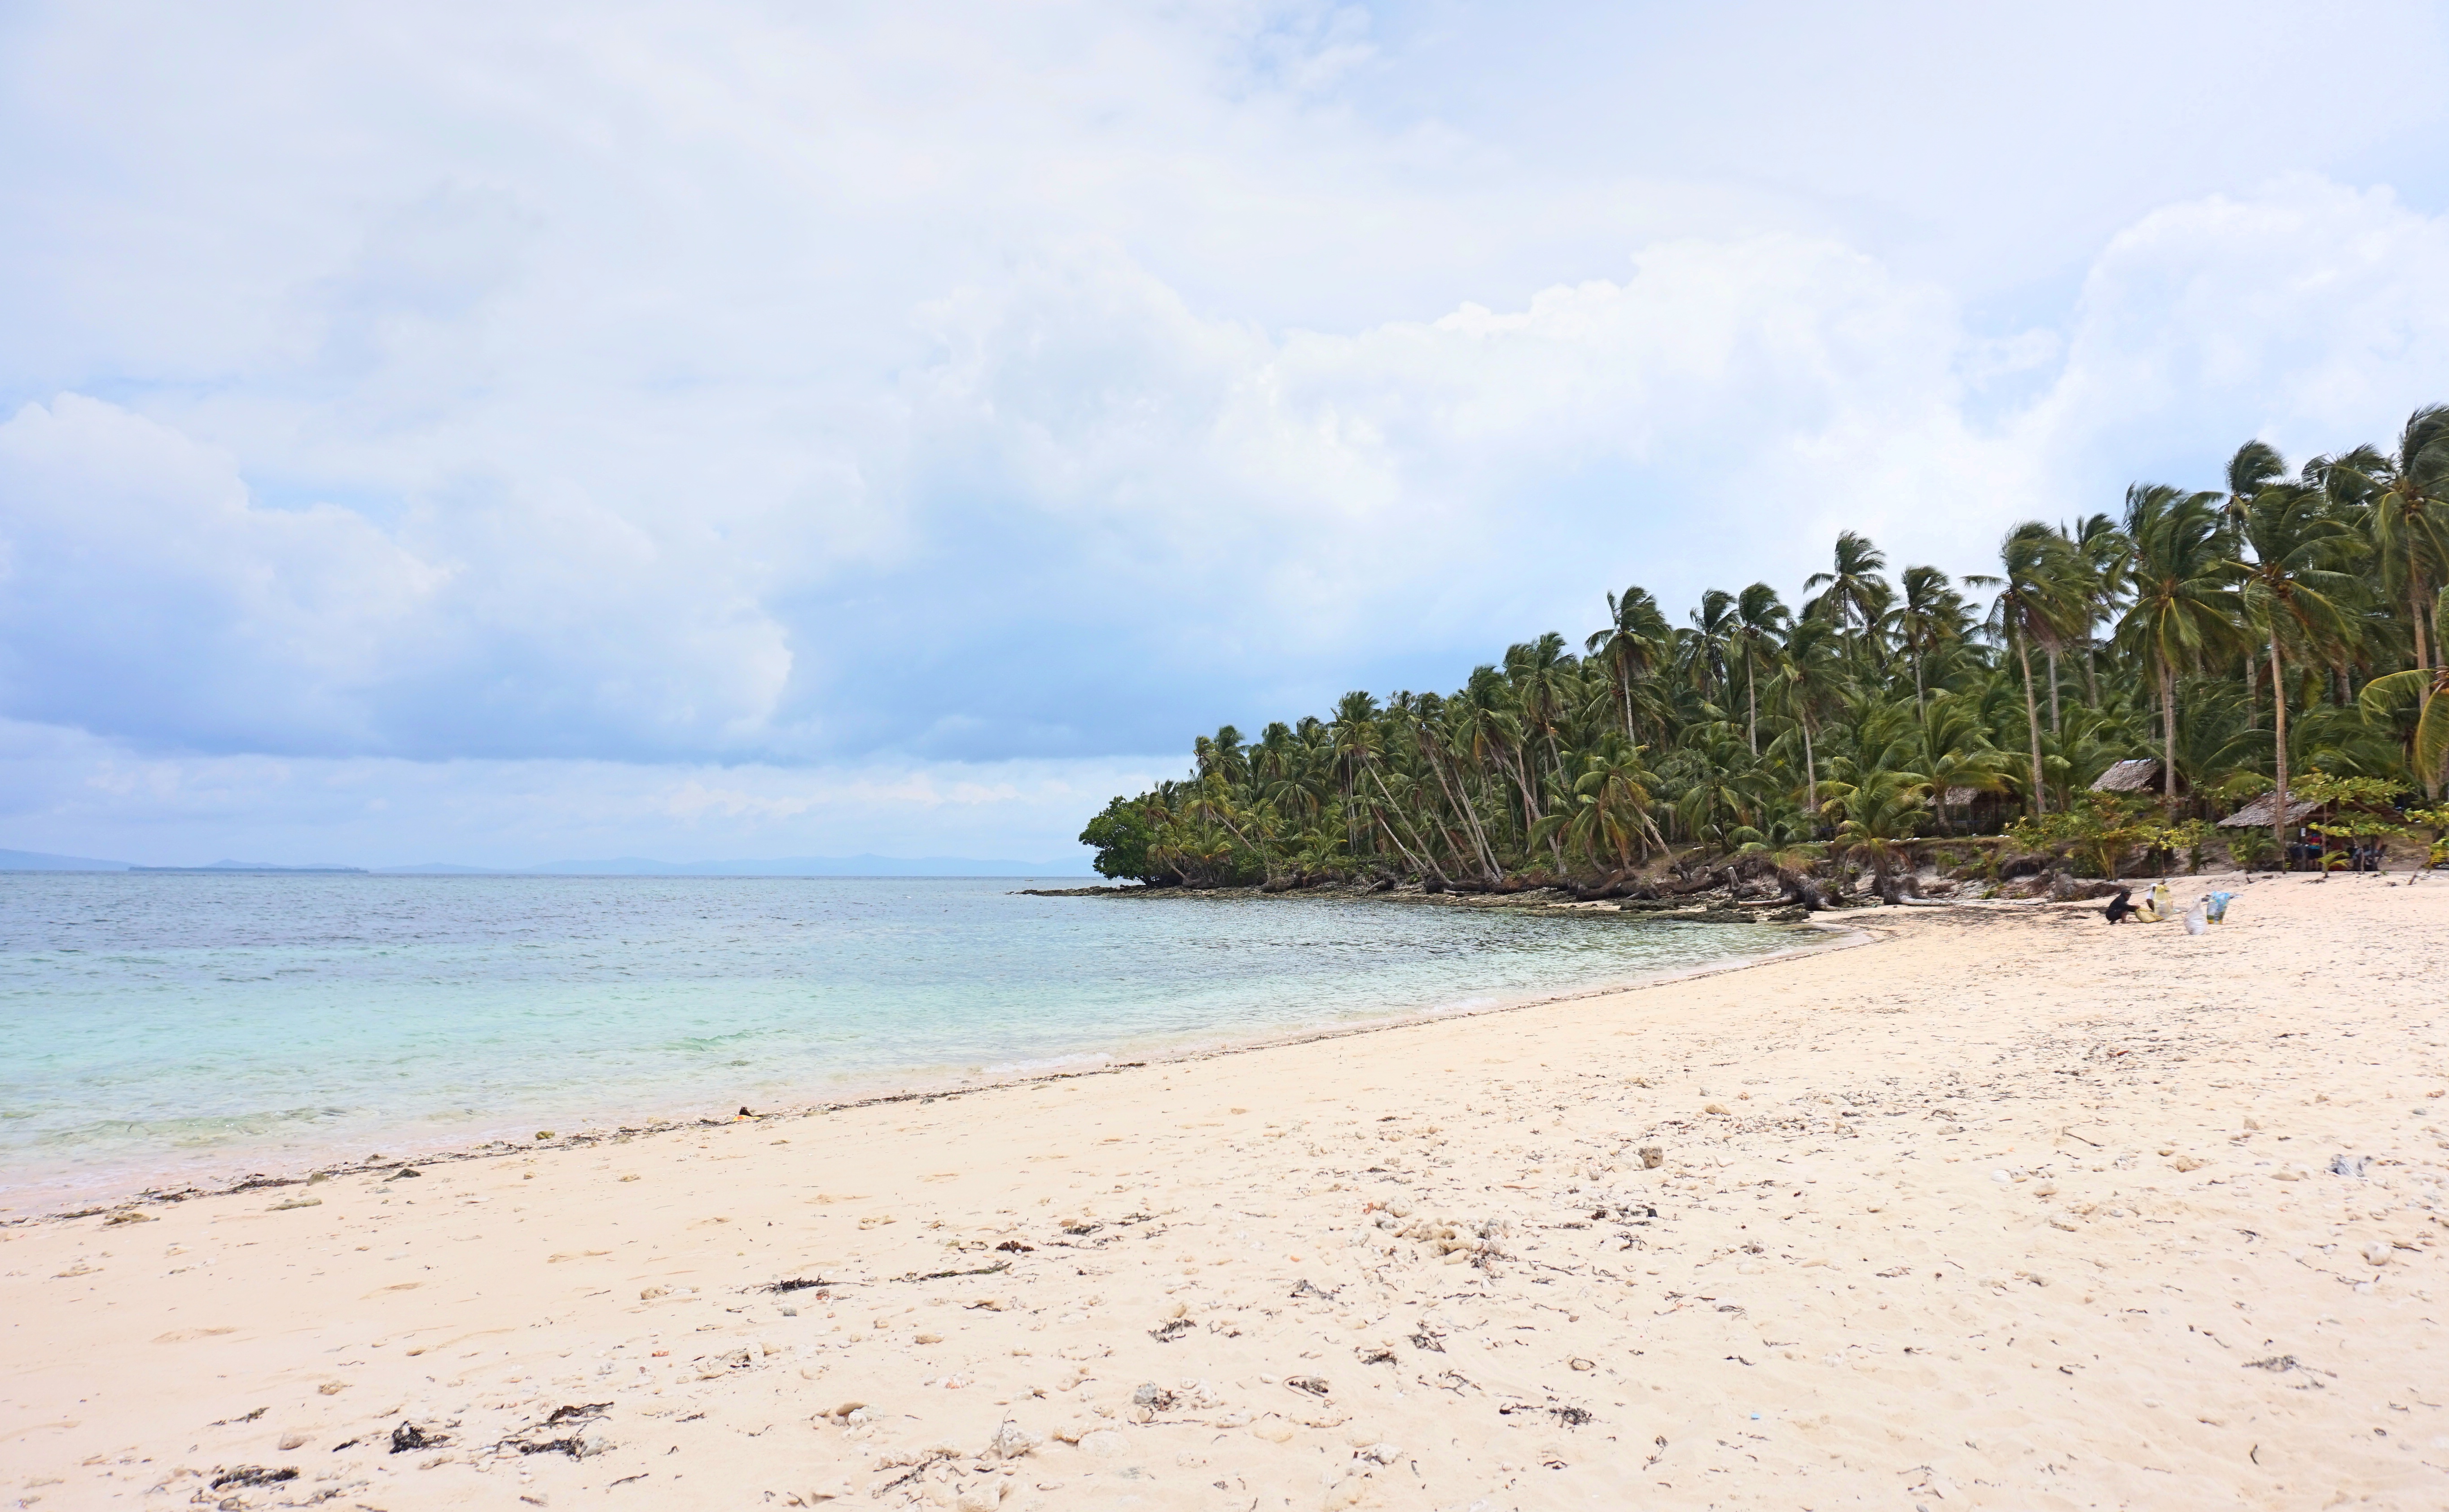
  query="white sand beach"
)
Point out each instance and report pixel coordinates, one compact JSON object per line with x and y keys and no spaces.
{"x":2004,"y":1207}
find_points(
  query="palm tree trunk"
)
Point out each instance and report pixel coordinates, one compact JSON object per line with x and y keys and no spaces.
{"x":2033,"y":724}
{"x":1919,"y":712}
{"x":1490,"y":870}
{"x":1751,"y":698}
{"x":1810,"y":773}
{"x":1530,"y":804}
{"x":2053,"y":655}
{"x":2168,"y":732}
{"x":1428,"y":861}
{"x":2279,"y":713}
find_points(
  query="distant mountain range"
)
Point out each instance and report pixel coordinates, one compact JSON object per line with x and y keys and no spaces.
{"x":853,"y":866}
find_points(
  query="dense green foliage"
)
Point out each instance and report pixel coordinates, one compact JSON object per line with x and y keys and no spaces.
{"x":2281,"y":625}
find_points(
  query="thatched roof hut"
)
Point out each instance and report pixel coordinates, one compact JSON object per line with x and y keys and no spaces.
{"x":2257,"y":814}
{"x":2142,"y":774}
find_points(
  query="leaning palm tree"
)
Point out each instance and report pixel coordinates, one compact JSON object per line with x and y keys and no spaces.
{"x":2183,"y":608}
{"x":2290,"y":589}
{"x":2040,"y":598}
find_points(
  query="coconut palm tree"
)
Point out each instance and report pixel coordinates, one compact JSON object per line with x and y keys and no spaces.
{"x":1635,"y":643}
{"x":1930,"y":617}
{"x":1808,"y":676}
{"x":2038,"y":600}
{"x":2184,"y":606}
{"x":1855,"y":592}
{"x":2292,"y":592}
{"x":1759,"y":621}
{"x":2428,"y":689}
{"x":1713,"y":628}
{"x":2254,"y":467}
{"x":2408,"y":522}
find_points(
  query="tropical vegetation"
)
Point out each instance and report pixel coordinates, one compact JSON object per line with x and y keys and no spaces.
{"x":2283,"y":629}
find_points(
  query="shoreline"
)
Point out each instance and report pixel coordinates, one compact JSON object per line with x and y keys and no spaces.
{"x":121,"y":1198}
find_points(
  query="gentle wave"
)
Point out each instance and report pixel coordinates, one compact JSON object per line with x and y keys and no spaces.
{"x":187,"y":1029}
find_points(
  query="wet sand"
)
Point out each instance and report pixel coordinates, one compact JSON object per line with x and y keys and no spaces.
{"x":2006,"y":1208}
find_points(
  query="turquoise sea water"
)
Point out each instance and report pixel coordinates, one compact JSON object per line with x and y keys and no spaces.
{"x":180,"y":1028}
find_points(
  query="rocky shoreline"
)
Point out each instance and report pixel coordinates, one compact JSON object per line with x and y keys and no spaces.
{"x":1717,"y":905}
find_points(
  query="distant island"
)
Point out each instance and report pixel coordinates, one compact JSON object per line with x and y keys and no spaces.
{"x":253,"y":866}
{"x":856,"y":865}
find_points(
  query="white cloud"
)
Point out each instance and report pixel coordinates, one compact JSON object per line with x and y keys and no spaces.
{"x":917,"y":390}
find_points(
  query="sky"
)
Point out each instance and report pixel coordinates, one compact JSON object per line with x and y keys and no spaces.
{"x":503,"y":433}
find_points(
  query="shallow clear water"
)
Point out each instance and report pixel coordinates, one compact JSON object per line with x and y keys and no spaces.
{"x":195,"y":1028}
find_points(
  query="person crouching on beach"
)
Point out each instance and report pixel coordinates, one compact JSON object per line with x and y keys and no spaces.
{"x":2119,"y":907}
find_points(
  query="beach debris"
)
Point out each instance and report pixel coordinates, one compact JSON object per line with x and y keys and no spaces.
{"x":1012,"y":1441}
{"x":292,"y":1441}
{"x":1579,"y":1364}
{"x":1166,"y":1333}
{"x":1016,"y":1247}
{"x":1315,"y":1385}
{"x":1375,"y":1355}
{"x":543,"y":1134}
{"x":1653,"y":1158}
{"x":294,"y":1202}
{"x":1306,"y":1290}
{"x":1272,"y":1428}
{"x":1432,"y":1343}
{"x":404,"y":1173}
{"x":796,"y":1283}
{"x":583,"y":1436}
{"x":1148,"y":1394}
{"x":997,"y":1268}
{"x":2376,"y":1252}
{"x":2349,"y":1164}
{"x":409,"y":1436}
{"x":1718,"y":1108}
{"x":2188,"y":1162}
{"x":1379,"y":1453}
{"x":254,"y":1475}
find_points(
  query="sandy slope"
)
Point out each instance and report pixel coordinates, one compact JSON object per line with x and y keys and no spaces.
{"x":2006,"y":1208}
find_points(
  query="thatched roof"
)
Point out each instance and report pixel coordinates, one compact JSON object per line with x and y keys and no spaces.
{"x":2139,"y":775}
{"x":2256,"y":816}
{"x":1957,"y":797}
